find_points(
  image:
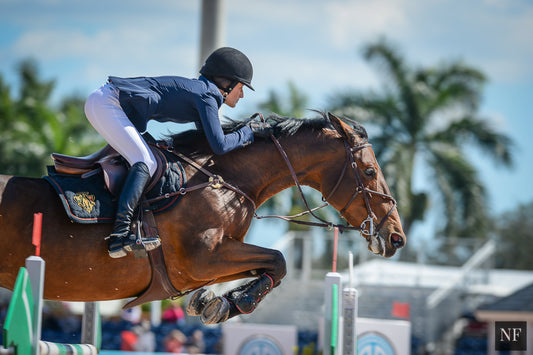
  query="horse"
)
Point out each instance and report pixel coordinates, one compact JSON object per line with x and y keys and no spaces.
{"x":202,"y":237}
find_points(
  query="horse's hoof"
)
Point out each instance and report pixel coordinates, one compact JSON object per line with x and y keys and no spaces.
{"x":198,"y":301}
{"x":216,"y":311}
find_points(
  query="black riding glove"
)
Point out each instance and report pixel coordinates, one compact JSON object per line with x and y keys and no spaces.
{"x":261,"y":129}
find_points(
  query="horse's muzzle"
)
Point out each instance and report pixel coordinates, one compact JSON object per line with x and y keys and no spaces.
{"x":397,"y":241}
{"x":385,"y":246}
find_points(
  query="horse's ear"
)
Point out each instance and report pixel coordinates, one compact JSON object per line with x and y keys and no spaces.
{"x":344,"y":130}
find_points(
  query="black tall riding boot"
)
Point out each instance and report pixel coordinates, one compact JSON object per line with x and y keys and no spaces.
{"x":122,"y":239}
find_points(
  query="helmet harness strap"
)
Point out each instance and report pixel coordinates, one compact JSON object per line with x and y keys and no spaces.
{"x":226,"y":91}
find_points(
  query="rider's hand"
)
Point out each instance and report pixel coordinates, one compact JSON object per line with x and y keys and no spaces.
{"x":261,"y":129}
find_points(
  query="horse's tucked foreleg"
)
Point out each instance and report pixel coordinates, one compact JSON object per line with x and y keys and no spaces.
{"x":245,"y":299}
{"x":236,"y":260}
{"x":242,"y":300}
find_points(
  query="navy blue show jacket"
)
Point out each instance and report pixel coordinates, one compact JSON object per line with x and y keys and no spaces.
{"x":180,"y":100}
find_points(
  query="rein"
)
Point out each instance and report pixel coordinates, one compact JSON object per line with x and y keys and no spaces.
{"x":215,"y":181}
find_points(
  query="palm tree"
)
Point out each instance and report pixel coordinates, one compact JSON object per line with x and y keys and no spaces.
{"x":425,"y":118}
{"x":31,"y":128}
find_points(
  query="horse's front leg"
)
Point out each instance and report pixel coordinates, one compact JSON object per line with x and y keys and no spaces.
{"x":243,"y":260}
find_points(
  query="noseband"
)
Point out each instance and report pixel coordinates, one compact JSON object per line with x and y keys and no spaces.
{"x":367,"y":228}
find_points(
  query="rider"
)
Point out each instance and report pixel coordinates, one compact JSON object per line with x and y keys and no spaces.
{"x":121,"y":108}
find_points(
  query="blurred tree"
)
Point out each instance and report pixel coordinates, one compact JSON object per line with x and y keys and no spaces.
{"x":292,"y":105}
{"x":424,"y":118}
{"x":7,"y":114}
{"x":31,"y":129}
{"x":514,"y":233}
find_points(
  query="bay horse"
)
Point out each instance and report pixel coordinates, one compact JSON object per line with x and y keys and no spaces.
{"x":202,"y":237}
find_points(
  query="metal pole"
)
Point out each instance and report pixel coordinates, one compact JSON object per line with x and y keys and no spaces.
{"x":213,"y":28}
{"x":349,"y":316}
{"x":91,"y":326}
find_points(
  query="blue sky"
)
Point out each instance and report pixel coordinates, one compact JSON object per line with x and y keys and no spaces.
{"x":314,"y":43}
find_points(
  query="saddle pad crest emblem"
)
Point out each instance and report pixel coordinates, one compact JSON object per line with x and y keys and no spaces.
{"x":85,"y":200}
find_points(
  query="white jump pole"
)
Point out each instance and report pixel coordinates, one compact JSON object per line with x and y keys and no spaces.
{"x":349,"y":315}
{"x":155,"y":313}
{"x":35,"y":266}
{"x":332,"y":300}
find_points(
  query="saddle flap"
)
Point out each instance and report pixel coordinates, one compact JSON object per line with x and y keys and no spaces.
{"x":115,"y":173}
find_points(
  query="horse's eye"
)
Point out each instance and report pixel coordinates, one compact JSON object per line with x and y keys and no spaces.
{"x":370,"y":173}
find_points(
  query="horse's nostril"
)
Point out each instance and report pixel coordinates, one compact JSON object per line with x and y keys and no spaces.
{"x":396,"y":241}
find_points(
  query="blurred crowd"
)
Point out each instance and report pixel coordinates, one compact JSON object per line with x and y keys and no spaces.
{"x":174,"y":335}
{"x":132,"y":330}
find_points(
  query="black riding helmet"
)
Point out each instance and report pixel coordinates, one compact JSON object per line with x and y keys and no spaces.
{"x":229,"y":63}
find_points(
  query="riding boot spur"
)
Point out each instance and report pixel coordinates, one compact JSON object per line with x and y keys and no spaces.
{"x":122,"y":240}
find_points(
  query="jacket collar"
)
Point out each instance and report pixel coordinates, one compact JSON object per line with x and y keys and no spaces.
{"x":212,"y":88}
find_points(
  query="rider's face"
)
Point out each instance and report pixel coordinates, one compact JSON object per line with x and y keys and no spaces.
{"x":234,"y":95}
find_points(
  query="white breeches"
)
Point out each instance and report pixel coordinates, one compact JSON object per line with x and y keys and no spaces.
{"x":103,"y":111}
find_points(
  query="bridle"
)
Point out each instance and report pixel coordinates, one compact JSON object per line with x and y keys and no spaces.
{"x":367,"y":228}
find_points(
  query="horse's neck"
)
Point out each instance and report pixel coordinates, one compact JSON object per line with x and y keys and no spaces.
{"x":270,"y":173}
